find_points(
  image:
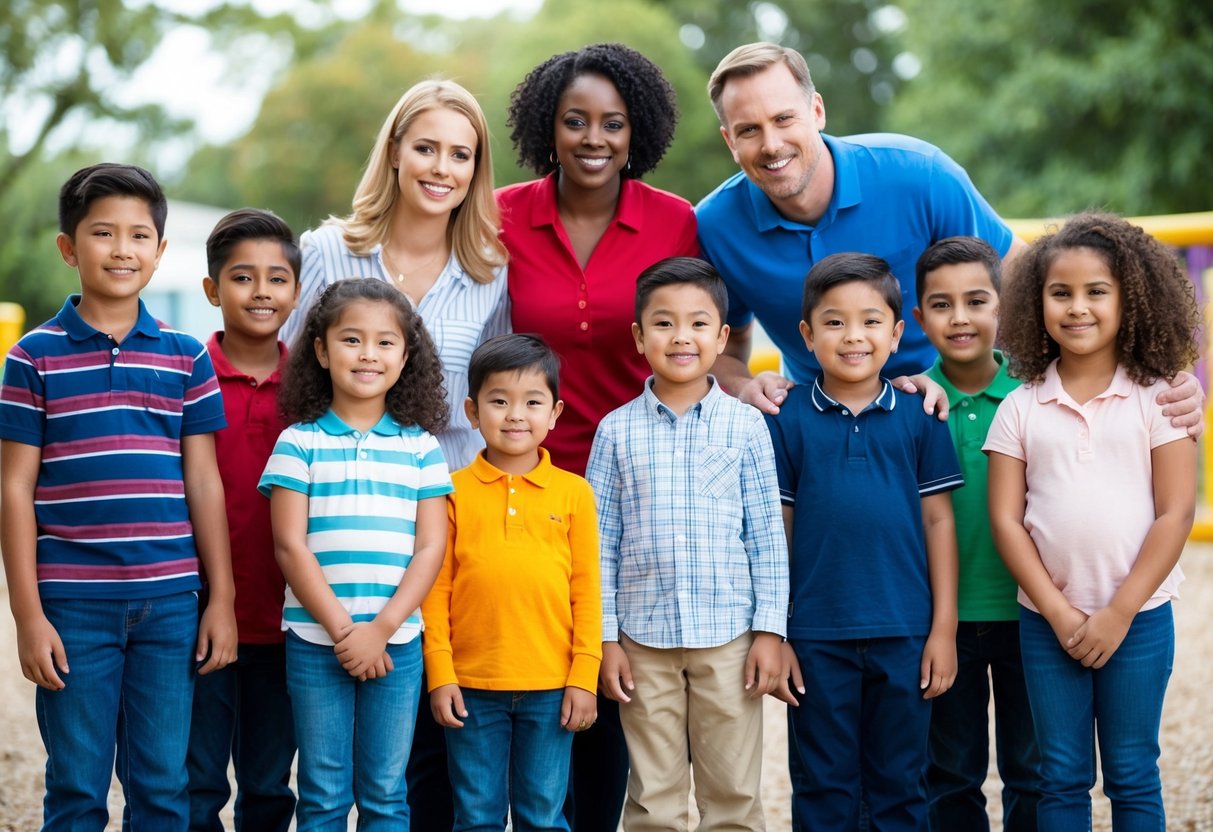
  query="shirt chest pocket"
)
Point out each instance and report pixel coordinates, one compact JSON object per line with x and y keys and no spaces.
{"x":718,"y":472}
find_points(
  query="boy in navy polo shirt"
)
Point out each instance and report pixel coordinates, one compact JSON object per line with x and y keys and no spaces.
{"x":864,"y":479}
{"x":111,"y":497}
{"x":243,"y":712}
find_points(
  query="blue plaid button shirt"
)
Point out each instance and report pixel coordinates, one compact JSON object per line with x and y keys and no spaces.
{"x":693,"y":549}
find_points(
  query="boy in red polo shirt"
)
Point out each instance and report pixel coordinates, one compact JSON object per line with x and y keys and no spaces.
{"x":243,"y":712}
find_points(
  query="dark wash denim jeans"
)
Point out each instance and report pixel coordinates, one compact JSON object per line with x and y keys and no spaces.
{"x":988,"y":657}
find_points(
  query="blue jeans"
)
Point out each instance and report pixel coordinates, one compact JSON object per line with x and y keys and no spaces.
{"x":1121,"y":703}
{"x":511,"y":753}
{"x":129,"y":689}
{"x":960,"y":740}
{"x":354,"y":737}
{"x":243,"y":713}
{"x":860,"y":736}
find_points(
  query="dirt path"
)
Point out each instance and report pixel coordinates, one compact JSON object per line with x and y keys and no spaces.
{"x":1187,"y":734}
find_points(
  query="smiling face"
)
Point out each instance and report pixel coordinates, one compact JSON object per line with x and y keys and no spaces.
{"x":365,"y":352}
{"x":773,"y":130}
{"x":1082,"y":304}
{"x":680,"y":333}
{"x":514,"y":410}
{"x":959,"y":313}
{"x":115,"y":248}
{"x":435,"y":161}
{"x":256,"y":289}
{"x":852,"y":331}
{"x":592,"y":133}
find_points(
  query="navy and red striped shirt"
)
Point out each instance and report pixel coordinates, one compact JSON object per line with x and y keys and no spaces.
{"x":110,"y":500}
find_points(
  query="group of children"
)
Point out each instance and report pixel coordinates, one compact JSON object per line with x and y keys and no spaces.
{"x":715,"y":555}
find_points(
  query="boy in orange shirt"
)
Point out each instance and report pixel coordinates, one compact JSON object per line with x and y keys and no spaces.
{"x":513,"y":624}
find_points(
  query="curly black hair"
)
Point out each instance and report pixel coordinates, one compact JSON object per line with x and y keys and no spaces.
{"x":646,"y":92}
{"x":1159,"y":316}
{"x":417,"y":398}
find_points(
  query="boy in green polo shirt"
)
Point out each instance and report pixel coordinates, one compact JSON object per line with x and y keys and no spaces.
{"x":958,"y":282}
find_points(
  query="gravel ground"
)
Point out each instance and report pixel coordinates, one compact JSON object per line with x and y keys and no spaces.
{"x":1187,"y":732}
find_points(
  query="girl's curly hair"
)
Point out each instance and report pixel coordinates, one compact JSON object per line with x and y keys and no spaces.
{"x":1159,"y":316}
{"x":646,"y":92}
{"x":417,"y":398}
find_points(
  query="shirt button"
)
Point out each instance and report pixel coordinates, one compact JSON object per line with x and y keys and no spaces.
{"x":513,"y":490}
{"x":357,"y":434}
{"x":362,"y":455}
{"x":857,"y":428}
{"x":972,"y":417}
{"x":513,"y":511}
{"x":581,"y":304}
{"x":252,"y":382}
{"x":846,"y":412}
{"x":114,"y":350}
{"x":585,"y":325}
{"x":964,"y":403}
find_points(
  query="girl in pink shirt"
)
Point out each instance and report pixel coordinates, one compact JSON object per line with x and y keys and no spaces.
{"x":1092,"y":495}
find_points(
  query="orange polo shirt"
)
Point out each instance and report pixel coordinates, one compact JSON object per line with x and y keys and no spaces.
{"x":517,"y":605}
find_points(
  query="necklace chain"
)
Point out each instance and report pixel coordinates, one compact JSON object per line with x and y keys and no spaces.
{"x":387,"y":261}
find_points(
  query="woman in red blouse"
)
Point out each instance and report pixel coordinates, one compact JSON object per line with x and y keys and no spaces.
{"x":590,"y":123}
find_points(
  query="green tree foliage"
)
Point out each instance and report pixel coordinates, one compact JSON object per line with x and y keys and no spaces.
{"x":1056,"y":107}
{"x":31,"y":271}
{"x":850,"y":46}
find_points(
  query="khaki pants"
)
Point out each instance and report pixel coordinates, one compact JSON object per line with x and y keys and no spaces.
{"x":691,"y":705}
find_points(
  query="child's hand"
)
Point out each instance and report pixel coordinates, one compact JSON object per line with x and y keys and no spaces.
{"x":1097,"y":639}
{"x":615,"y":673}
{"x":579,"y":710}
{"x":1065,"y":624}
{"x":446,"y":704}
{"x":789,"y":668}
{"x":41,"y":653}
{"x":361,"y":650}
{"x":379,"y":668}
{"x":217,"y":637}
{"x":763,"y":665}
{"x":938,"y":669}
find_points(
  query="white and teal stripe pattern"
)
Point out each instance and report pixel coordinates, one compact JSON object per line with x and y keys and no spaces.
{"x":362,"y":491}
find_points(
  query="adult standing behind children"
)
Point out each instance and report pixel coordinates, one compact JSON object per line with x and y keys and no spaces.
{"x":424,"y":221}
{"x":802,"y":195}
{"x":112,"y":505}
{"x":242,"y":713}
{"x":591,"y":122}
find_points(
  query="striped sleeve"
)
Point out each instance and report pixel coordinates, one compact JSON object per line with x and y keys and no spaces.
{"x":288,"y":466}
{"x":435,"y":478}
{"x":22,"y":400}
{"x":202,"y":405}
{"x":938,"y":468}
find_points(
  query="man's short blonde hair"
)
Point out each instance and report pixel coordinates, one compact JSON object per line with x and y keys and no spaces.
{"x":752,"y":59}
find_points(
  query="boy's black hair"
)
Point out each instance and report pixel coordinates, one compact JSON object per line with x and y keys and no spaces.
{"x":249,"y":224}
{"x":678,"y":271}
{"x":845,"y":268}
{"x":953,"y":251}
{"x":95,"y":182}
{"x":515,"y":352}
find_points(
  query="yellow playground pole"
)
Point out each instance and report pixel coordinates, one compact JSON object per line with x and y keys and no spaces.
{"x":12,"y":326}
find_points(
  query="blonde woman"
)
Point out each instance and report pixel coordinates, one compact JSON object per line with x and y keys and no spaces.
{"x":425,"y":222}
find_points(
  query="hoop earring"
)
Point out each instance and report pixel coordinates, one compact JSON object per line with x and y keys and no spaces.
{"x":555,"y":162}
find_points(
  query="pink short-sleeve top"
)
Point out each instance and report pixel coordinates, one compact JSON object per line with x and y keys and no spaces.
{"x":1090,"y":498}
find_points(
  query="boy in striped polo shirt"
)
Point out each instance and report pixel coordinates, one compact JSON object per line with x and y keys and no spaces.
{"x":111,"y":497}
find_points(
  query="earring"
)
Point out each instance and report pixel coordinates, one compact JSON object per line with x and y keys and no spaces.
{"x":553,"y":160}
{"x":628,"y":164}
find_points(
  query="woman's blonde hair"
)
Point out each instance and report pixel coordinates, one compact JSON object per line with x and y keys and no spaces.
{"x":474,"y":227}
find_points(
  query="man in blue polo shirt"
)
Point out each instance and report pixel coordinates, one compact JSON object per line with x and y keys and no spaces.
{"x":802,"y":196}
